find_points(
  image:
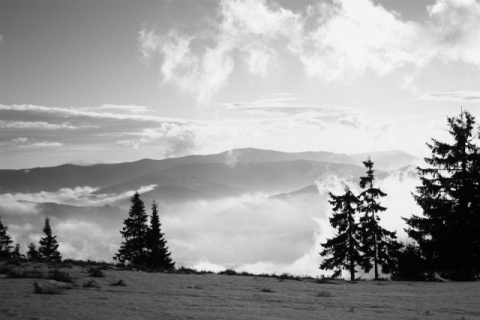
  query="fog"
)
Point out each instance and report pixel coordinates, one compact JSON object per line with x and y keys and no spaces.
{"x":253,"y":232}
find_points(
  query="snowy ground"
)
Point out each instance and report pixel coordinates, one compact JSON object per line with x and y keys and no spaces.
{"x":211,"y":296}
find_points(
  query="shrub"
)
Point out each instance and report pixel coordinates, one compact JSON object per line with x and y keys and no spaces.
{"x":91,"y":284}
{"x":96,"y":272}
{"x":59,"y":275}
{"x":18,"y":273}
{"x":46,"y":288}
{"x":229,"y":272}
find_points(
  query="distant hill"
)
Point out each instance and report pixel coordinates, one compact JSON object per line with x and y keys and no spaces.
{"x":387,"y":160}
{"x":105,"y":175}
{"x":225,"y":174}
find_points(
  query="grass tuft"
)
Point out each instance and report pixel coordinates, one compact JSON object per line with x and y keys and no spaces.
{"x":267,"y":289}
{"x":322,"y":293}
{"x":118,"y":283}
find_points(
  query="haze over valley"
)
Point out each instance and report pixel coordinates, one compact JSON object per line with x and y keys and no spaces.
{"x":248,"y":209}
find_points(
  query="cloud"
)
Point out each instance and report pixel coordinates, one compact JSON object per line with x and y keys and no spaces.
{"x":454,"y":28}
{"x":35,"y":125}
{"x":79,"y":196}
{"x":287,"y":105}
{"x":26,"y":143}
{"x":149,"y":43}
{"x":336,"y":41}
{"x":352,"y":37}
{"x":127,"y":108}
{"x":173,"y":139}
{"x":251,"y":232}
{"x":245,"y":28}
{"x":456,"y":96}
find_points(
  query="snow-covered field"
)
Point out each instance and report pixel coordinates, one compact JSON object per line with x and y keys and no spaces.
{"x":212,"y":296}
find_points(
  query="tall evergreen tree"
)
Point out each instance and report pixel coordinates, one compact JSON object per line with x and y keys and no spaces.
{"x":157,"y":250}
{"x":48,"y":248}
{"x":344,"y":248}
{"x":448,"y":232}
{"x":379,"y":246}
{"x":32,"y":253}
{"x":133,"y":249}
{"x":5,"y":242}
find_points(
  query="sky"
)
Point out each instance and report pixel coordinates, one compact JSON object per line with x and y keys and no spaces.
{"x":110,"y":81}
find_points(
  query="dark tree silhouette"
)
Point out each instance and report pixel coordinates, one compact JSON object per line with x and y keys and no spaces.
{"x":48,"y":248}
{"x":410,"y":266}
{"x":157,"y":250}
{"x":448,"y":232}
{"x":32,"y":253}
{"x":5,"y":242}
{"x":16,"y":254}
{"x":133,"y":249}
{"x":379,"y":246}
{"x":344,"y":248}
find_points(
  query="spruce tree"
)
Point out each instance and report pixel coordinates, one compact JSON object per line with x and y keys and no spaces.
{"x":344,"y":248}
{"x":16,"y":254}
{"x":448,"y":232}
{"x":48,"y":248}
{"x":133,"y":249}
{"x":5,"y":242}
{"x":32,"y":253}
{"x":157,"y":250}
{"x":379,"y":246}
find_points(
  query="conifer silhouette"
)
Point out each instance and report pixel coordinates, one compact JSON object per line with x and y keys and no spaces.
{"x":32,"y":253}
{"x":344,"y":248}
{"x":379,"y":246}
{"x":133,"y":248}
{"x":48,"y":248}
{"x":16,"y":254}
{"x":157,"y":250}
{"x":5,"y":242}
{"x":448,"y":233}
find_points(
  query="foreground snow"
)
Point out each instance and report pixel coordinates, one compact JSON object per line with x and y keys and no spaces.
{"x":211,"y":296}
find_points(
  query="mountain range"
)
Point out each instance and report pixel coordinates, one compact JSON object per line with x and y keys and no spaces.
{"x":230,"y":173}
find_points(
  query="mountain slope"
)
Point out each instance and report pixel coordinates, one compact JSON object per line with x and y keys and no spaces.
{"x":104,"y":175}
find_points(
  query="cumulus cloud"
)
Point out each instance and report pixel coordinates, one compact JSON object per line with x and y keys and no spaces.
{"x":246,"y":28}
{"x":338,"y":40}
{"x":455,"y":25}
{"x":148,"y":42}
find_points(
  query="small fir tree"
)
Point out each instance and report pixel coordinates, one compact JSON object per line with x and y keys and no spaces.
{"x":48,"y":248}
{"x":344,"y":249}
{"x":16,"y":254}
{"x":32,"y":253}
{"x":157,"y":250}
{"x":133,"y":249}
{"x":448,"y":233}
{"x":5,"y":242}
{"x":379,"y":246}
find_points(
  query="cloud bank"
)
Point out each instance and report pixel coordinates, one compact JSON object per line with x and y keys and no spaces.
{"x":335,"y":41}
